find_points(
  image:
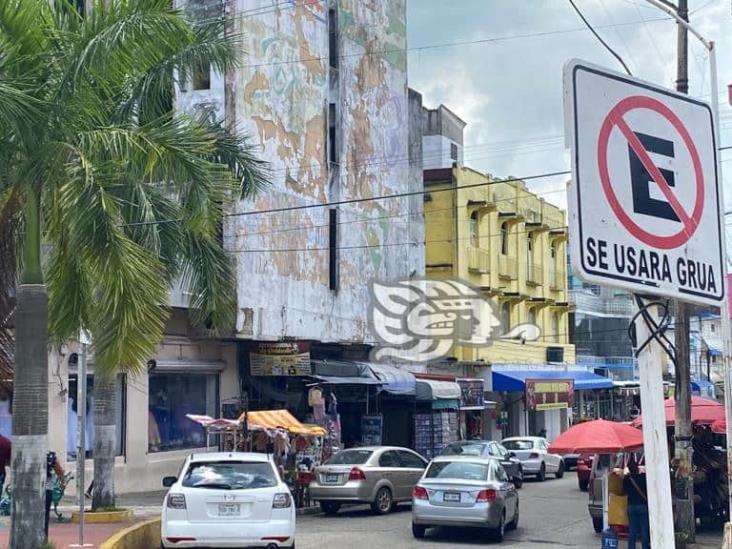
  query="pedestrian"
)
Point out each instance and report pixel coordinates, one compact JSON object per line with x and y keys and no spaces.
{"x":5,"y":448}
{"x":542,"y":433}
{"x":54,"y":473}
{"x":634,"y":486}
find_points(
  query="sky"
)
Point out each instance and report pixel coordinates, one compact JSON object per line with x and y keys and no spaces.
{"x":498,"y":65}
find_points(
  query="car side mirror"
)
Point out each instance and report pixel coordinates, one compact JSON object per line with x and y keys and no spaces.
{"x":512,"y":454}
{"x":169,"y":481}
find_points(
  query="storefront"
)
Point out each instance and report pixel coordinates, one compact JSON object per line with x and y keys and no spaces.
{"x":436,"y":422}
{"x":472,"y":408}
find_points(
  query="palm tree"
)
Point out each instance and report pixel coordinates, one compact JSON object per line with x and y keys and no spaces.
{"x":118,"y":196}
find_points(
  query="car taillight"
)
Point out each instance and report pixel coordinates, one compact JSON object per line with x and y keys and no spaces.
{"x":176,"y":501}
{"x":485,"y":496}
{"x":533,"y":455}
{"x":420,"y":493}
{"x":356,"y":474}
{"x":281,"y":501}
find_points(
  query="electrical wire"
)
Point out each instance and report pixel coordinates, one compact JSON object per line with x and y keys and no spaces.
{"x":657,"y":328}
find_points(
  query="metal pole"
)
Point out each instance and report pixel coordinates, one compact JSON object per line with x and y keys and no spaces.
{"x":81,"y":422}
{"x":655,"y":444}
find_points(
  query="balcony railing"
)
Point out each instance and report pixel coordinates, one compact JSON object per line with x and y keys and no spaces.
{"x":479,"y":260}
{"x":534,"y":274}
{"x":507,"y":267}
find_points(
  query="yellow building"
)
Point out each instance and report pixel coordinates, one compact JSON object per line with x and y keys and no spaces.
{"x":512,"y":244}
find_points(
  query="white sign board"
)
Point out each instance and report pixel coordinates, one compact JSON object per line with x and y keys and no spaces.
{"x":644,"y":201}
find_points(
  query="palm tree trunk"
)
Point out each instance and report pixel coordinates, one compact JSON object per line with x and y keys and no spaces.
{"x":30,"y":402}
{"x":105,"y":406}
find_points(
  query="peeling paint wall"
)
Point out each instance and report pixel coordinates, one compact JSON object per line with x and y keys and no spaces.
{"x":282,"y":95}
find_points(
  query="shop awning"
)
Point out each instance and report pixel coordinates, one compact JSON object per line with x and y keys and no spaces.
{"x":512,"y":381}
{"x":703,"y":387}
{"x":340,"y":380}
{"x":432,"y":389}
{"x":280,"y":419}
{"x":396,"y":380}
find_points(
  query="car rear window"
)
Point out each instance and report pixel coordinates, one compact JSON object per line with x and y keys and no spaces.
{"x":457,"y":470}
{"x":230,"y":475}
{"x":518,"y":444}
{"x":350,"y":457}
{"x":464,"y":450}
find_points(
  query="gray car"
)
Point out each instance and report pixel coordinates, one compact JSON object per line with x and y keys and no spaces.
{"x":379,"y":475}
{"x":490,"y":448}
{"x":469,"y":491}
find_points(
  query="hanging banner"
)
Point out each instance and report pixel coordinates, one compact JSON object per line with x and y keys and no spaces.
{"x":471,"y":394}
{"x":281,"y":359}
{"x":549,"y":394}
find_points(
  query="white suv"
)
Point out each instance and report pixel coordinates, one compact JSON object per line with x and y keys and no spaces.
{"x":228,"y":500}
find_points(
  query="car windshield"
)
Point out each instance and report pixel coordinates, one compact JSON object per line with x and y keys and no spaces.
{"x":464,"y":449}
{"x":457,"y":470}
{"x":518,"y":444}
{"x":230,"y":475}
{"x":350,"y":457}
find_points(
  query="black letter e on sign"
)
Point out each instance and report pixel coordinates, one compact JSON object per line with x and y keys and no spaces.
{"x":641,"y":179}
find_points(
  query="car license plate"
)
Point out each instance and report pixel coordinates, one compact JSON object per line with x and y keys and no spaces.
{"x":331,"y":479}
{"x":229,"y":509}
{"x":452,"y":497}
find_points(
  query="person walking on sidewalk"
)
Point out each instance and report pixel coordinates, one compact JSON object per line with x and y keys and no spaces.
{"x":5,"y":449}
{"x":634,"y":485}
{"x":54,"y":473}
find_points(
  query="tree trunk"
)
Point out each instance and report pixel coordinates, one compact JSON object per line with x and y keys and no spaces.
{"x":30,"y":417}
{"x":105,"y":441}
{"x":683,"y":488}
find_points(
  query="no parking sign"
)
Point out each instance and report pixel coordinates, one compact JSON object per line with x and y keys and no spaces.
{"x":644,"y":202}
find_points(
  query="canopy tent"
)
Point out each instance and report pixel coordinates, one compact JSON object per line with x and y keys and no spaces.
{"x":513,"y":381}
{"x":704,"y":411}
{"x":214,"y":424}
{"x":432,"y":389}
{"x":597,"y":437}
{"x":719,"y":427}
{"x":280,"y":419}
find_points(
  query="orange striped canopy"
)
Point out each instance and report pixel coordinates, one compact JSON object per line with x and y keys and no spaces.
{"x":280,"y":419}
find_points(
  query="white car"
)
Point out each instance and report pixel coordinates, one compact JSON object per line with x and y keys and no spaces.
{"x":533,"y":452}
{"x":228,"y":500}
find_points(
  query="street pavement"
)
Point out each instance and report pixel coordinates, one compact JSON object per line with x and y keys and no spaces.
{"x":553,"y":514}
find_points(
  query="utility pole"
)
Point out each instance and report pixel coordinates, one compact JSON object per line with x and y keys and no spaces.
{"x":683,"y":486}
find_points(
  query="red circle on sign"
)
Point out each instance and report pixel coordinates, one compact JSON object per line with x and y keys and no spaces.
{"x":611,"y":121}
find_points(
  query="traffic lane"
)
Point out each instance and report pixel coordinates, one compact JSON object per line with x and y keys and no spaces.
{"x":553,"y":513}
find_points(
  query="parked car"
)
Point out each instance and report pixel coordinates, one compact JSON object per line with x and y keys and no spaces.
{"x":227,"y":500}
{"x":508,"y":459}
{"x":379,"y":475}
{"x":469,"y":491}
{"x":533,"y":452}
{"x":584,"y":466}
{"x":570,"y":461}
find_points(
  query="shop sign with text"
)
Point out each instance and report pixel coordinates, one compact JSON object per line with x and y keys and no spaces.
{"x":549,"y":394}
{"x":280,"y":359}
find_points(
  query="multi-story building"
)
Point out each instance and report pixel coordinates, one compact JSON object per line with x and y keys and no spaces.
{"x":511,"y":244}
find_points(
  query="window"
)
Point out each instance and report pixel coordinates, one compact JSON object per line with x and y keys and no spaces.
{"x":458,"y":470}
{"x":530,"y":254}
{"x":350,"y":457}
{"x":332,"y":134}
{"x":518,"y":444}
{"x":410,"y":460}
{"x":504,"y":238}
{"x":466,"y":448}
{"x":474,"y":237}
{"x":553,"y":264}
{"x":332,"y":39}
{"x":230,"y":475}
{"x":506,"y":316}
{"x":498,"y":472}
{"x":389,"y":459}
{"x":172,"y":396}
{"x":72,"y":441}
{"x":532,"y":316}
{"x":453,"y":152}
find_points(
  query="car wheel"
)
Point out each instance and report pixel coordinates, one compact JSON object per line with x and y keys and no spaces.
{"x":383,"y":502}
{"x":330,"y":507}
{"x":541,"y":477}
{"x":560,"y":470}
{"x":597,"y":524}
{"x":418,"y":530}
{"x":518,"y":480}
{"x":514,"y":523}
{"x":498,"y":532}
{"x":582,"y":485}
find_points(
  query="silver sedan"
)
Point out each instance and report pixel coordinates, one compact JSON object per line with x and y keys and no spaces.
{"x":379,"y":475}
{"x":468,"y":491}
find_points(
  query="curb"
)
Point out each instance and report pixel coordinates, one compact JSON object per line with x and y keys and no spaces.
{"x":111,"y":517}
{"x":314,"y":510}
{"x":138,"y":536}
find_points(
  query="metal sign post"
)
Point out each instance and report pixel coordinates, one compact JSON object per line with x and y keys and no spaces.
{"x":80,"y":424}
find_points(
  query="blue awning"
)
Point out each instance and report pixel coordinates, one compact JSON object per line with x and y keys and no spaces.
{"x":702,"y":387}
{"x":512,"y":381}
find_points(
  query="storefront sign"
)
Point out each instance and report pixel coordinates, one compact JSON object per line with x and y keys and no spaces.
{"x":549,"y":394}
{"x":281,"y":359}
{"x":471,"y":394}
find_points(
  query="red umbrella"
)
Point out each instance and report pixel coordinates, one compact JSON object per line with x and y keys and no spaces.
{"x":704,"y":411}
{"x":719,"y":427}
{"x":597,"y":437}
